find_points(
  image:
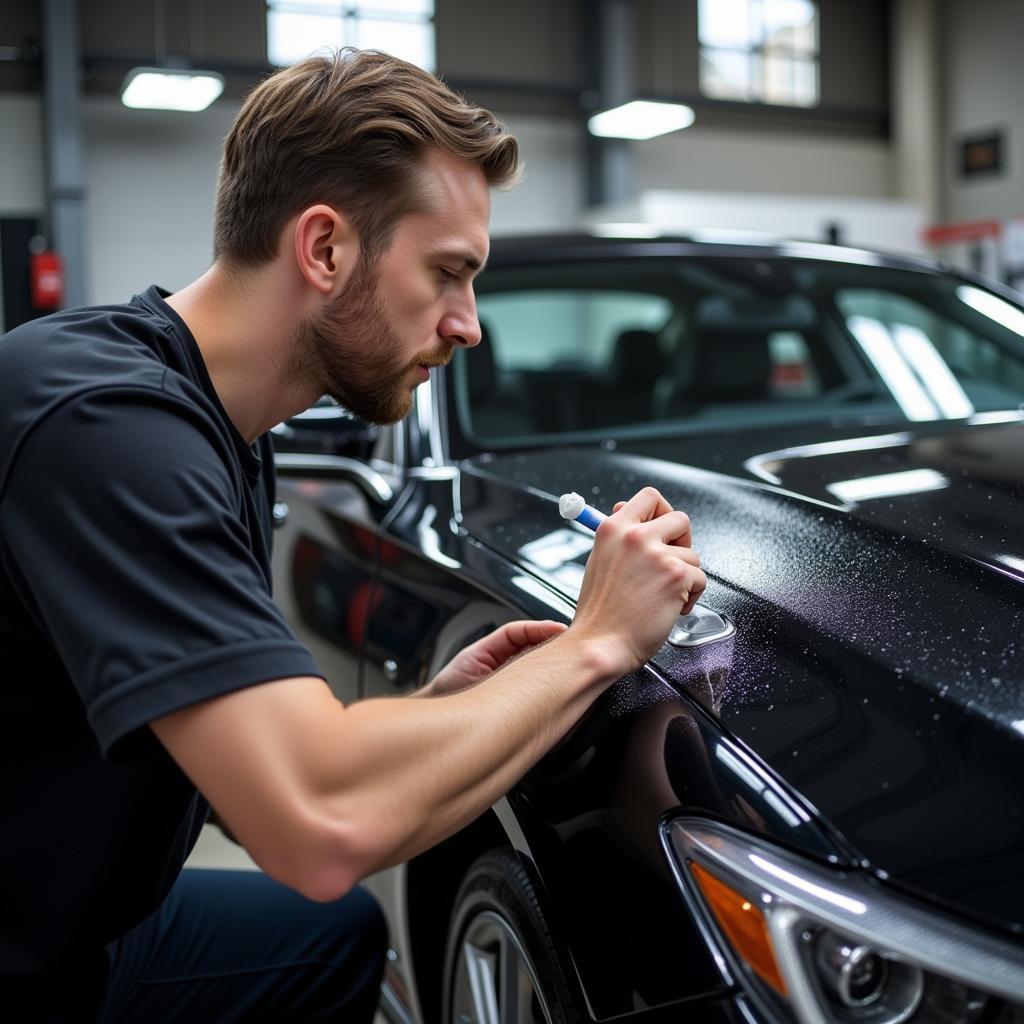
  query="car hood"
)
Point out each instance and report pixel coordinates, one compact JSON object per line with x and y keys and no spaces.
{"x":878,"y":660}
{"x":956,"y":487}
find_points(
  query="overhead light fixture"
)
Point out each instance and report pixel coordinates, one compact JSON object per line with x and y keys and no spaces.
{"x":170,"y":88}
{"x":640,"y":119}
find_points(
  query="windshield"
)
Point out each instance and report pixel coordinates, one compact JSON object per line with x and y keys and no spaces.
{"x":698,"y":344}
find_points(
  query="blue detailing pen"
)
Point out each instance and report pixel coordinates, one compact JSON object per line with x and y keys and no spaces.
{"x":701,"y":626}
{"x":571,"y":506}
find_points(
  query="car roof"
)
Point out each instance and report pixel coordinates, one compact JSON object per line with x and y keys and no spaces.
{"x":599,"y":244}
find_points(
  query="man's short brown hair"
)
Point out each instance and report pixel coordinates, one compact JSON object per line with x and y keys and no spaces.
{"x":349,"y":130}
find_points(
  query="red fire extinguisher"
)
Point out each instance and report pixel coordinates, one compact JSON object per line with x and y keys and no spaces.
{"x":47,"y":274}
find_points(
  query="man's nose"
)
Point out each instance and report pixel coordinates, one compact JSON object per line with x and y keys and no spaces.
{"x":461,"y":326}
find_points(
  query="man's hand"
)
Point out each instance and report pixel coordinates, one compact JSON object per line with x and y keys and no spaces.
{"x":641,"y":575}
{"x":489,"y":653}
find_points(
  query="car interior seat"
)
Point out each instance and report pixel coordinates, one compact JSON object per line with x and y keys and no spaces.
{"x":494,"y":407}
{"x":726,"y":360}
{"x":727,"y":366}
{"x":632,"y":377}
{"x":732,"y":367}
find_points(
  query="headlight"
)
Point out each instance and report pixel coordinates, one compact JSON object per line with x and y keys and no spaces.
{"x":818,"y":945}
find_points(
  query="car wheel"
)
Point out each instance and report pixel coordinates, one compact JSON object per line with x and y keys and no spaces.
{"x":501,"y":963}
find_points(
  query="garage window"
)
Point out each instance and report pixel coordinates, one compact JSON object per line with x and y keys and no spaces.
{"x":404,"y":28}
{"x":759,"y":51}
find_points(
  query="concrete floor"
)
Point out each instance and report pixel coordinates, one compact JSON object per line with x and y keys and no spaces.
{"x":215,"y":850}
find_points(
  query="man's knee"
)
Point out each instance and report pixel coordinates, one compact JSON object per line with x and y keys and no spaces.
{"x":371,"y":924}
{"x":361,"y":940}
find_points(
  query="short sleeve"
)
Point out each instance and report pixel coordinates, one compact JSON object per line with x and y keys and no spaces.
{"x":123,"y":536}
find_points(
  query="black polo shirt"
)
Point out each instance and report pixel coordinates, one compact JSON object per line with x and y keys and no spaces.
{"x":134,"y":581}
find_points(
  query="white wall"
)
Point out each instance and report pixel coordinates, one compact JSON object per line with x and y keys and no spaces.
{"x":984,"y":89}
{"x":150,"y":178}
{"x":22,"y":179}
{"x":151,"y":175}
{"x":551,"y":192}
{"x":721,"y":160}
{"x":22,"y":188}
{"x":895,"y":225}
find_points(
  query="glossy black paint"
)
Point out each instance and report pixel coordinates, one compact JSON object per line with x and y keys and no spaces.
{"x":869,"y":709}
{"x":974,"y":511}
{"x":881,"y":678}
{"x":589,"y":813}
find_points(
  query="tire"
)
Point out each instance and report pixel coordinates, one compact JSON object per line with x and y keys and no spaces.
{"x":498,"y":936}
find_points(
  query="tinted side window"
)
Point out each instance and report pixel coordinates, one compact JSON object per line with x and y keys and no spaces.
{"x":934,"y":366}
{"x":564,"y":360}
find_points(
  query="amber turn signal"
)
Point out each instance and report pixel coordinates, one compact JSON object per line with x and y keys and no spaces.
{"x":744,"y":926}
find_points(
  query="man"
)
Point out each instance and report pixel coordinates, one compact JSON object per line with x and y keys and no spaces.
{"x":144,"y":657}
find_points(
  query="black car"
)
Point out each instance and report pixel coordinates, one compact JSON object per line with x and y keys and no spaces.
{"x":809,"y":806}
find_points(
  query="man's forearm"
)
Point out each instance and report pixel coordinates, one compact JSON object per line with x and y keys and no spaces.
{"x":419,"y":775}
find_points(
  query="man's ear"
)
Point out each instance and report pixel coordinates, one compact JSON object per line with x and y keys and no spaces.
{"x":326,"y":248}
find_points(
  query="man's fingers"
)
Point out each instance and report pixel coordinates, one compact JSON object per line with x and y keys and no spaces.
{"x":673,"y":528}
{"x":693,"y":592}
{"x":649,"y":504}
{"x":645,"y":505}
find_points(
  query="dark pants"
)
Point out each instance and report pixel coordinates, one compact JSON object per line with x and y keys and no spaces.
{"x":237,"y":946}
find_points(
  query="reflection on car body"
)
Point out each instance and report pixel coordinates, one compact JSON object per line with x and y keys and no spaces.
{"x":817,"y":817}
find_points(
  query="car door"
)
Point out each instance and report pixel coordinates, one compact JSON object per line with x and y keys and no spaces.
{"x":337,"y":481}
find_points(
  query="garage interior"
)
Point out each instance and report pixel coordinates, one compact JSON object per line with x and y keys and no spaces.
{"x":898,"y":125}
{"x":913,"y":139}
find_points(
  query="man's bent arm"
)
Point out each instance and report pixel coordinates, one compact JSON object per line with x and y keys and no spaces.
{"x":322,"y":794}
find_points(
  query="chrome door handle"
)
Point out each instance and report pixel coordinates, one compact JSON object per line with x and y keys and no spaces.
{"x":701,"y":626}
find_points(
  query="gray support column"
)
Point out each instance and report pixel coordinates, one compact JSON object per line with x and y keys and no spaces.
{"x":609,"y":42}
{"x":918,"y":107}
{"x":65,"y":176}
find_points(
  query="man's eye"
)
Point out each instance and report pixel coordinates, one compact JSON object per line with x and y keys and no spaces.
{"x":449,"y":275}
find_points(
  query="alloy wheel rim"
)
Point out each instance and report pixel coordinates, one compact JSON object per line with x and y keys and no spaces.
{"x":495,"y":982}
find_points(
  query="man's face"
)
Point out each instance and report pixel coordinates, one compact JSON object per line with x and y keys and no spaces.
{"x":407,"y":310}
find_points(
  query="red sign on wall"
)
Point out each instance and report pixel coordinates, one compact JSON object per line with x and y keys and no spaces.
{"x":47,"y":274}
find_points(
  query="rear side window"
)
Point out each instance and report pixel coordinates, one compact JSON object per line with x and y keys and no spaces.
{"x":555,"y":361}
{"x":936,"y":367}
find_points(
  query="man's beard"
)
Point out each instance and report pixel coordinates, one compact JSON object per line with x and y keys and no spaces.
{"x":350,"y":350}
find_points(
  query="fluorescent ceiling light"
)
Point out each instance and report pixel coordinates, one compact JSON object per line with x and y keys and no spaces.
{"x":641,"y":119}
{"x":170,"y":89}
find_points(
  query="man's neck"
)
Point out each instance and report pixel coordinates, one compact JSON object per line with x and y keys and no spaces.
{"x":244,"y":324}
